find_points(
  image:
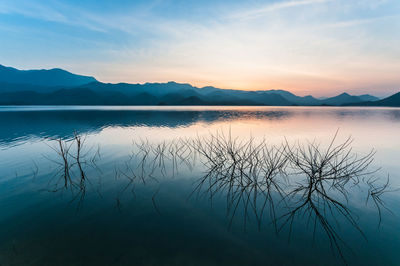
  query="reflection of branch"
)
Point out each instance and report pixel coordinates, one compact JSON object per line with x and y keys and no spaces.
{"x":73,"y":159}
{"x":286,"y":182}
{"x":326,"y":174}
{"x":79,"y":144}
{"x":149,"y":161}
{"x":62,"y":149}
{"x":160,"y":157}
{"x":375,"y":193}
{"x":244,"y":170}
{"x":307,"y":179}
{"x":35,"y":170}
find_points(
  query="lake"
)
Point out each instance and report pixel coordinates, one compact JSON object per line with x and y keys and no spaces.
{"x":199,"y":185}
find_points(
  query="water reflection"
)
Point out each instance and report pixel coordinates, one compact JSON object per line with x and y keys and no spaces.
{"x":72,"y":159}
{"x":274,"y":184}
{"x":140,"y":184}
{"x":59,"y":123}
{"x":63,"y":124}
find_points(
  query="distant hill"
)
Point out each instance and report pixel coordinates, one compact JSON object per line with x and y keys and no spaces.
{"x":173,"y":93}
{"x":345,"y":99}
{"x":341,"y":99}
{"x":84,"y":96}
{"x":60,"y":87}
{"x":368,"y":98}
{"x":288,"y":97}
{"x":75,"y":96}
{"x":156,"y":89}
{"x":15,"y":87}
{"x":298,"y":100}
{"x":391,"y":101}
{"x":48,"y":78}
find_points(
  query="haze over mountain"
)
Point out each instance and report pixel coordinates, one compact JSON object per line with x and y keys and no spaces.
{"x":60,"y":87}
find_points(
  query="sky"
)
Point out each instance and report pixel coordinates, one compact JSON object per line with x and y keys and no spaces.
{"x":318,"y":47}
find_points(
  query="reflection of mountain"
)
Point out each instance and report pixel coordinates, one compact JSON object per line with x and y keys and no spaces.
{"x":59,"y":87}
{"x":63,"y":123}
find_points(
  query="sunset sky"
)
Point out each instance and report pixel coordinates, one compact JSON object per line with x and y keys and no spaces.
{"x":319,"y":47}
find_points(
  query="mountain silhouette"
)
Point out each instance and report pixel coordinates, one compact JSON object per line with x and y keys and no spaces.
{"x":298,"y":100}
{"x":391,"y":101}
{"x":343,"y":98}
{"x":48,"y":78}
{"x":60,"y":87}
{"x":368,"y":98}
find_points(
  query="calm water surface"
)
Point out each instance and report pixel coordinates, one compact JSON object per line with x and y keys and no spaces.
{"x":134,"y":198}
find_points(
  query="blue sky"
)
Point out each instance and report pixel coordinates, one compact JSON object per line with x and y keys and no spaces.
{"x":322,"y":47}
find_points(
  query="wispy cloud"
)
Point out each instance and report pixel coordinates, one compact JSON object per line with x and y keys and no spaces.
{"x":50,"y":13}
{"x":31,"y":9}
{"x":263,"y":10}
{"x":69,"y":14}
{"x":301,"y":45}
{"x":355,"y":22}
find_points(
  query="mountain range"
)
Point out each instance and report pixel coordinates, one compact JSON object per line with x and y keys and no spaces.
{"x":60,"y":87}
